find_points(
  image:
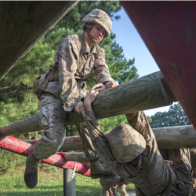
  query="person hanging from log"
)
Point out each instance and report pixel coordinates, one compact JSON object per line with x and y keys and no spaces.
{"x":64,"y":88}
{"x":132,"y":153}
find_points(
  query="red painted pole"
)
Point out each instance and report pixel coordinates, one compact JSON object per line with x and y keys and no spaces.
{"x":23,"y":148}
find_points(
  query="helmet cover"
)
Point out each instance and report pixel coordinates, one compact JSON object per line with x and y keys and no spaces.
{"x":126,"y":143}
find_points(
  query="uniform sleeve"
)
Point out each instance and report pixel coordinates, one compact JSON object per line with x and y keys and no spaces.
{"x":140,"y":123}
{"x":100,"y":142}
{"x":101,"y":68}
{"x":69,"y":88}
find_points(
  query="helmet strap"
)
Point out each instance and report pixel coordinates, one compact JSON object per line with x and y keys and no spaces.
{"x":88,"y":30}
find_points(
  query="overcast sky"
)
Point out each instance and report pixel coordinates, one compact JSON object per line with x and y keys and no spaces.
{"x":134,"y":47}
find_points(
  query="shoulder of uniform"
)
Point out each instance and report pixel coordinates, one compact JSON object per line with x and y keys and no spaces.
{"x":72,"y":41}
{"x":100,"y":50}
{"x":73,"y":38}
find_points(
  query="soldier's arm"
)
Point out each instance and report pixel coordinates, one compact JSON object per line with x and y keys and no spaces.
{"x":69,"y":91}
{"x":99,"y":140}
{"x":140,"y":123}
{"x":101,"y":68}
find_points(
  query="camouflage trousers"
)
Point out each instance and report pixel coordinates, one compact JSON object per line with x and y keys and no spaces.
{"x":178,"y":159}
{"x":52,"y":118}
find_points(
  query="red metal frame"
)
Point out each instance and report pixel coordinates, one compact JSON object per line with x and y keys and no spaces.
{"x":169,"y":31}
{"x":23,"y":148}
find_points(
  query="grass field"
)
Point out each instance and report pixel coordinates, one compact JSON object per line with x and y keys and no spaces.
{"x":50,"y":184}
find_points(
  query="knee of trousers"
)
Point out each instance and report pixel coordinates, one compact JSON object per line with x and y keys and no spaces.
{"x":43,"y":150}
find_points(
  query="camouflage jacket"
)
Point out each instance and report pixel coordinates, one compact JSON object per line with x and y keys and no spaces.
{"x":160,"y":172}
{"x":74,"y":62}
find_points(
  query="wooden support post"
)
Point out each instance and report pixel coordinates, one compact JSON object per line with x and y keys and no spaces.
{"x":69,"y":186}
{"x":145,"y":93}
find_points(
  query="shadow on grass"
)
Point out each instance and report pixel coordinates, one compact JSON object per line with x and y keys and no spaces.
{"x":50,"y":191}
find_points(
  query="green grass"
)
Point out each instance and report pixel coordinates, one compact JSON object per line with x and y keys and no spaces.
{"x":50,"y":184}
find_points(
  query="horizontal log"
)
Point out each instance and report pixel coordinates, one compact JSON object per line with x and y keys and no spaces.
{"x":23,"y":148}
{"x":167,"y":138}
{"x":145,"y":93}
{"x":176,"y":137}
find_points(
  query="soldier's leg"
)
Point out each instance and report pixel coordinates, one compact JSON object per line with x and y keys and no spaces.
{"x":139,"y":122}
{"x":52,"y":120}
{"x":97,"y":170}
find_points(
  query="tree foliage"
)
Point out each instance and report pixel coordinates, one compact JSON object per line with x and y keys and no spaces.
{"x":174,"y":117}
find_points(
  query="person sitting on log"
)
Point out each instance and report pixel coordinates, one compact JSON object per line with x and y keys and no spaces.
{"x":132,"y":153}
{"x":64,"y":88}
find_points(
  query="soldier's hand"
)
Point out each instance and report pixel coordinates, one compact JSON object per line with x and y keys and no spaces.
{"x":99,"y":87}
{"x":90,"y":97}
{"x":78,"y":106}
{"x":111,"y":84}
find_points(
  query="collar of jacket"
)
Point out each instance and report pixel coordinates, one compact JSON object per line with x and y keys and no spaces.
{"x":86,"y":48}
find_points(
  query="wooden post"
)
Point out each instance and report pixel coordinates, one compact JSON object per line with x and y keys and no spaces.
{"x":145,"y":93}
{"x":69,"y":187}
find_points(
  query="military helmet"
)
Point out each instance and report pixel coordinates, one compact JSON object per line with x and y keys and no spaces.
{"x":101,"y":18}
{"x":126,"y":143}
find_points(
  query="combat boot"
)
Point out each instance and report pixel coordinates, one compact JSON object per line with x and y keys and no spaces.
{"x":31,"y":170}
{"x":97,"y":171}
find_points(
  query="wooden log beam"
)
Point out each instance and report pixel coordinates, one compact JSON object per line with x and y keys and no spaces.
{"x":175,"y":137}
{"x":145,"y":93}
{"x":23,"y":24}
{"x":167,"y":138}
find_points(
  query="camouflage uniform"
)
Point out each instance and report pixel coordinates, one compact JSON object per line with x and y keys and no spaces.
{"x":62,"y":88}
{"x":62,"y":95}
{"x":152,"y":176}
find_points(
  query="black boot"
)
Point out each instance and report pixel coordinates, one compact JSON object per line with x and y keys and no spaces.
{"x":97,"y":171}
{"x":31,"y":170}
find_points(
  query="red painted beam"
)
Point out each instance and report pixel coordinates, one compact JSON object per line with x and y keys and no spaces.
{"x":23,"y":148}
{"x":169,"y":31}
